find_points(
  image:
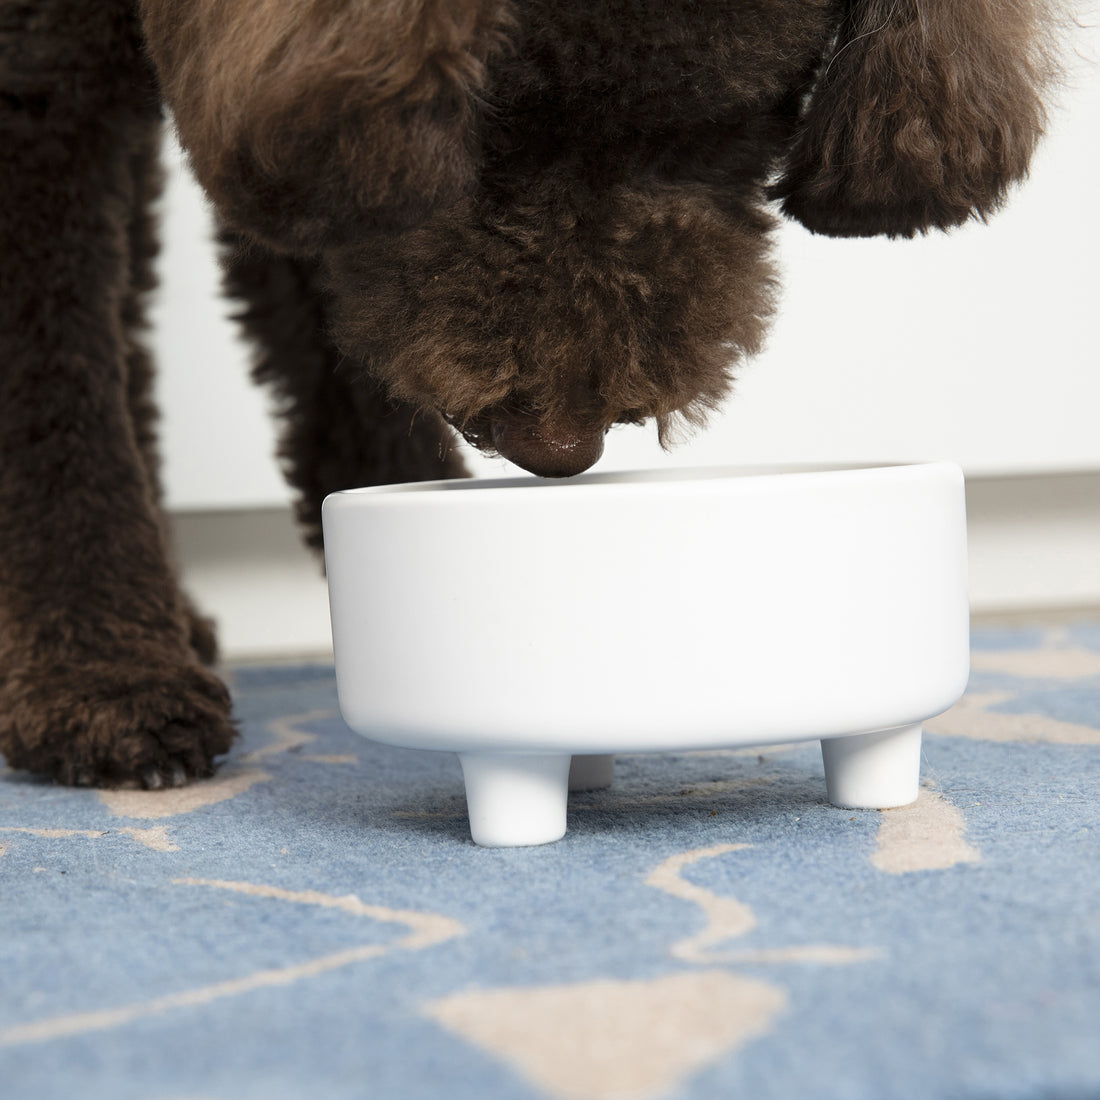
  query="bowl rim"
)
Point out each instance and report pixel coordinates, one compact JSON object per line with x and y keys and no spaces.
{"x":638,"y":480}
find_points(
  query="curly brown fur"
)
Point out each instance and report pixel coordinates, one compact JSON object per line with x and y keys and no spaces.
{"x":580,"y":308}
{"x":340,"y":430}
{"x":143,"y":246}
{"x":924,"y":114}
{"x":98,"y":680}
{"x":530,"y":218}
{"x":314,"y":122}
{"x":611,"y":265}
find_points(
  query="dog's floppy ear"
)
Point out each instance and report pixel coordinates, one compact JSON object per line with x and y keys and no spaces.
{"x":310,"y":122}
{"x":922,"y":115}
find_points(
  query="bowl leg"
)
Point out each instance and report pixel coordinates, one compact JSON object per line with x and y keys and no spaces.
{"x":873,"y":771}
{"x":591,"y":773}
{"x":514,"y":798}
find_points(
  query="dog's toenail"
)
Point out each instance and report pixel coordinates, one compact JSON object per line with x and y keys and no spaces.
{"x":151,"y":779}
{"x":178,"y":778}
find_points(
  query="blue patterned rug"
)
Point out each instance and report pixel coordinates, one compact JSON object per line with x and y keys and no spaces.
{"x":315,"y":922}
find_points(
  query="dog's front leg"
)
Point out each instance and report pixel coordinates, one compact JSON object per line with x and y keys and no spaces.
{"x":98,"y":679}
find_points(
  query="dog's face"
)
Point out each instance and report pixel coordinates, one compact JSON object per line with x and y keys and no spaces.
{"x":534,"y":327}
{"x":545,"y":217}
{"x":609,"y":265}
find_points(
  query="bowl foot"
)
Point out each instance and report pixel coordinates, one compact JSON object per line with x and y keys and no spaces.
{"x":515,"y":799}
{"x":591,"y":773}
{"x":873,"y":771}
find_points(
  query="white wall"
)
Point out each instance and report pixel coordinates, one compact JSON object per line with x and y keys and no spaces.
{"x":217,"y":438}
{"x":980,"y":346}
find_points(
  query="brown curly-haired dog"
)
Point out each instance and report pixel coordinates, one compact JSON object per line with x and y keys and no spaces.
{"x":530,"y":219}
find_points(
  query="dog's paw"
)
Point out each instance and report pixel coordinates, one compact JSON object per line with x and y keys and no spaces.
{"x":107,"y":725}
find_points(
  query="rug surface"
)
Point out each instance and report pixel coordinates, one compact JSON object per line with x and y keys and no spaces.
{"x":315,"y":921}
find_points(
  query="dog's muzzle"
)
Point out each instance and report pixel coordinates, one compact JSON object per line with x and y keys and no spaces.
{"x":539,"y":450}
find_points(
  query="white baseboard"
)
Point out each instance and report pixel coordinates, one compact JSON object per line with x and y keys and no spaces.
{"x":1034,"y":547}
{"x":251,"y":571}
{"x":1034,"y":542}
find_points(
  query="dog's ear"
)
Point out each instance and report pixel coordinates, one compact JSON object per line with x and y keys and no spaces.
{"x":922,"y":115}
{"x":312,"y":122}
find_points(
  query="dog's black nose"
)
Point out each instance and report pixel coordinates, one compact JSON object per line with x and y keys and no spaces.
{"x":542,"y":451}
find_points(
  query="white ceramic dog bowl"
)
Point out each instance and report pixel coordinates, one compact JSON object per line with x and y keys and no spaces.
{"x":521,"y":622}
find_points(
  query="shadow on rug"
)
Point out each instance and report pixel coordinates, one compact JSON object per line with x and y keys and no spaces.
{"x":316,"y":922}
